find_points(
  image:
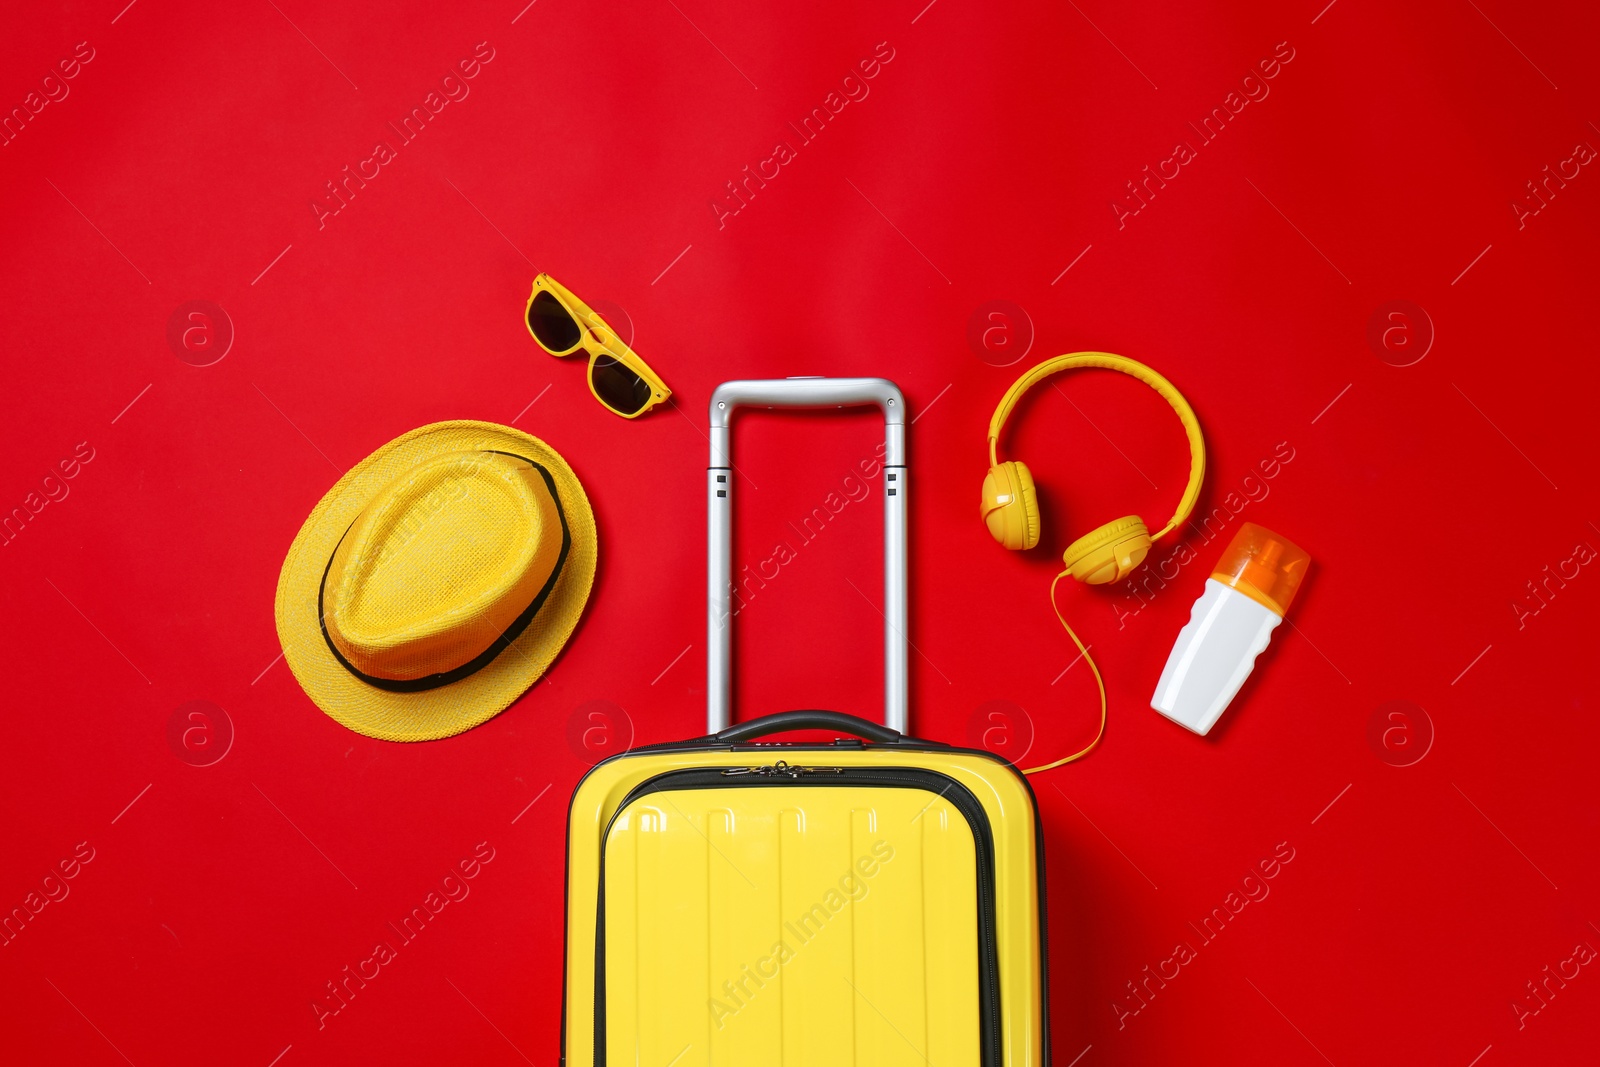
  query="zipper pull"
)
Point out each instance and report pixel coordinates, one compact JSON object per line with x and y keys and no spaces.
{"x":781,"y":769}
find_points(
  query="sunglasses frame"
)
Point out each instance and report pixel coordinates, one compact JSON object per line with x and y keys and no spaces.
{"x":597,"y":338}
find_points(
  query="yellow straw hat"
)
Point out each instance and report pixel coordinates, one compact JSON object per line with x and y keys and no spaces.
{"x":437,"y":580}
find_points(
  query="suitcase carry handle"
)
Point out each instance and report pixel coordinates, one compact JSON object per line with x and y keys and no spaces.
{"x":784,"y":721}
{"x":720,"y":481}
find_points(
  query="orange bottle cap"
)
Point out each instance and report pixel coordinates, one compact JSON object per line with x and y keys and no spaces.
{"x":1263,"y":566}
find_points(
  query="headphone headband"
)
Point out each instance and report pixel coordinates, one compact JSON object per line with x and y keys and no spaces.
{"x":1134,"y":369}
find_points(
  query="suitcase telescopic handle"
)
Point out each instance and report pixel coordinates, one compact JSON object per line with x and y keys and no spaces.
{"x":720,"y":483}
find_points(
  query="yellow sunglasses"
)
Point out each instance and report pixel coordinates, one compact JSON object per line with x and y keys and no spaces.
{"x":564,"y":325}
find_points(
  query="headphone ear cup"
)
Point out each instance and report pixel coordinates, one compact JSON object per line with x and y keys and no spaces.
{"x":1030,"y":504}
{"x":1010,"y":506}
{"x":1108,"y":553}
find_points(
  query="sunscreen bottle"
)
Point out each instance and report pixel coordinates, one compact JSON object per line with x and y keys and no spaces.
{"x":1245,"y":598}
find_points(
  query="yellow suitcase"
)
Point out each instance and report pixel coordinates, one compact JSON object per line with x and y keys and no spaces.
{"x":876,"y":901}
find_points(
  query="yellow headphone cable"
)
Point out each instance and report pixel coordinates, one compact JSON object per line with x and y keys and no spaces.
{"x":1098,"y":681}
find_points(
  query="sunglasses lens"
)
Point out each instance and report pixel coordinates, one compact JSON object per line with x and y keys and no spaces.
{"x":551,"y":324}
{"x":618,"y":387}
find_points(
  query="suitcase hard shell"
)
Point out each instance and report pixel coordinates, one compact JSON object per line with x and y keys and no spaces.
{"x":872,"y":902}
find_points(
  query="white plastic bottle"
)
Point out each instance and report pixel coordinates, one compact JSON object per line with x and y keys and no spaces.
{"x":1244,"y":600}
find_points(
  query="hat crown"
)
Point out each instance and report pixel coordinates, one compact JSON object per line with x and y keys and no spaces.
{"x":441,"y":561}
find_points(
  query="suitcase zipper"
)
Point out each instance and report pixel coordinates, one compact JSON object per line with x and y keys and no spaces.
{"x":784,"y":774}
{"x":781,"y":769}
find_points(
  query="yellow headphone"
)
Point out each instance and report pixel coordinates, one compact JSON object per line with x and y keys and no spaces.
{"x":1107,"y":553}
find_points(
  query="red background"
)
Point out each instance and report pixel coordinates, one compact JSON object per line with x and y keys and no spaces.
{"x":983,"y":163}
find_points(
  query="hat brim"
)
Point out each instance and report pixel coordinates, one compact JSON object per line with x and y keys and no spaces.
{"x":463,"y":704}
